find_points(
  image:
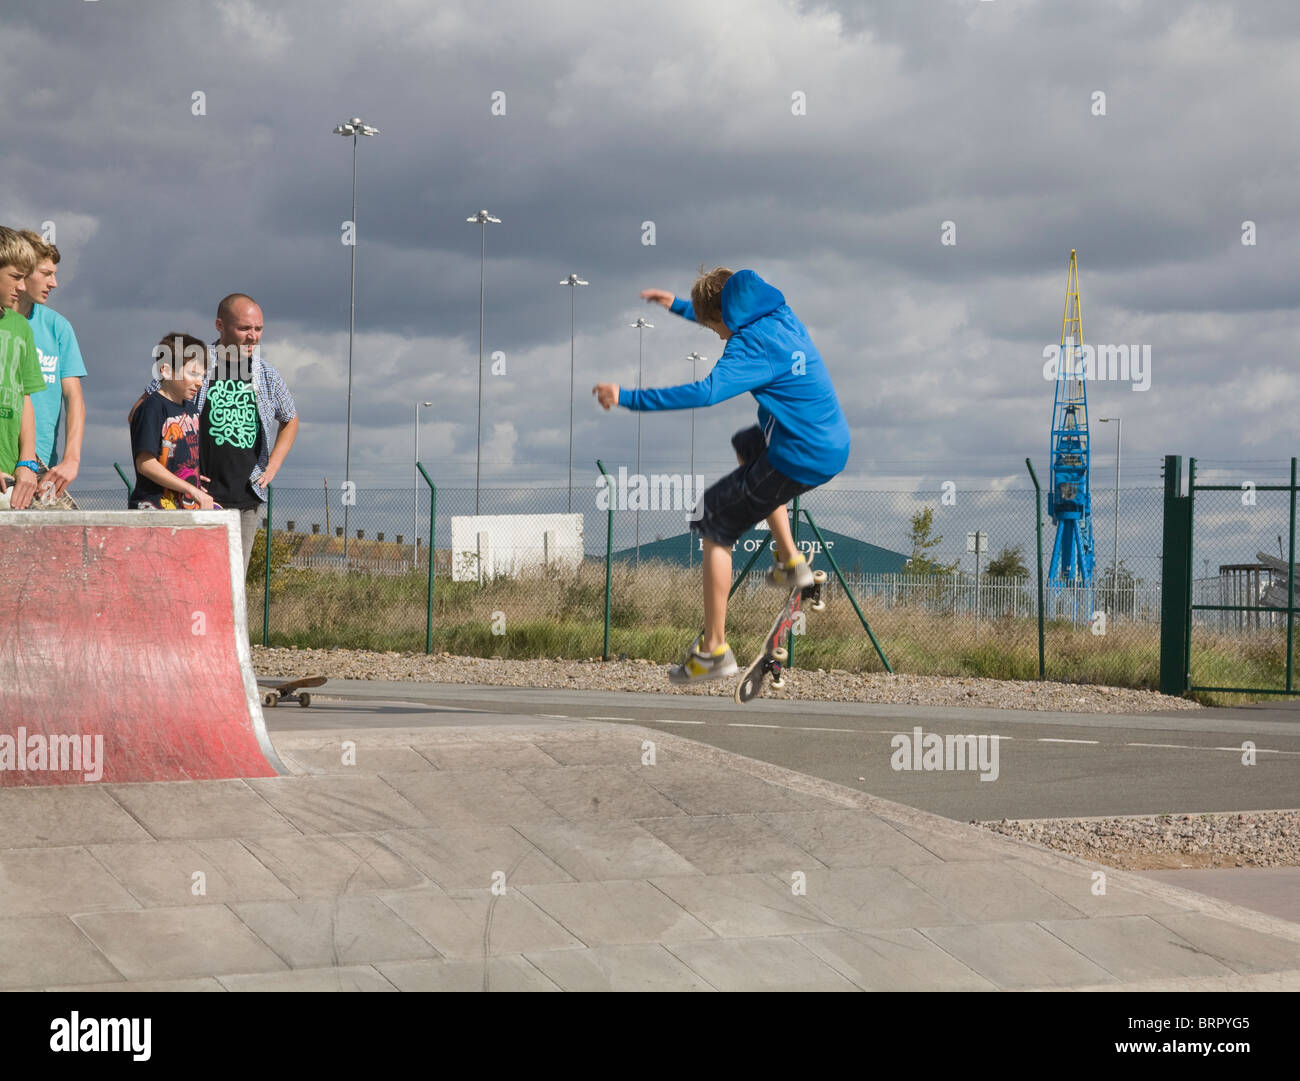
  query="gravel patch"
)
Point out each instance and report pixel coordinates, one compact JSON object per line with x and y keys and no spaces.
{"x":1169,"y":842}
{"x":644,"y":676}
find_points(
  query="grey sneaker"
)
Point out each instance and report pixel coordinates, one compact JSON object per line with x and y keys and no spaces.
{"x":788,"y":575}
{"x":699,"y":667}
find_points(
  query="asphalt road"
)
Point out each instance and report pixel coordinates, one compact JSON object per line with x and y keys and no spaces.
{"x":1047,"y":764}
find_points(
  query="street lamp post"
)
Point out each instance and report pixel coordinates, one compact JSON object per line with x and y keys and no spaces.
{"x":695,"y":359}
{"x":482,"y":218}
{"x":351,"y":129}
{"x":640,"y":326}
{"x":415,"y":487}
{"x":1114,"y":571}
{"x":573,"y":281}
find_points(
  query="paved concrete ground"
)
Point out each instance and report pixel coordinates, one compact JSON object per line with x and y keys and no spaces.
{"x":1051,"y":764}
{"x":1275,"y":890}
{"x":557,"y":855}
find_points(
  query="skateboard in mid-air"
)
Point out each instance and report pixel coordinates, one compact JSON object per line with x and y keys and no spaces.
{"x":288,"y":691}
{"x":774,"y":655}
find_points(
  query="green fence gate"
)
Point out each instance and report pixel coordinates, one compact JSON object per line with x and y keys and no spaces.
{"x":1177,"y":600}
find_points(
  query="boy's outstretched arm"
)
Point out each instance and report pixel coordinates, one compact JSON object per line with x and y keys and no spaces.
{"x":606,"y":394}
{"x":738,"y":370}
{"x":669,"y":301}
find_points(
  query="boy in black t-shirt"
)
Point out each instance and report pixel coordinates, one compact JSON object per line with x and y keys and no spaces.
{"x":165,"y":431}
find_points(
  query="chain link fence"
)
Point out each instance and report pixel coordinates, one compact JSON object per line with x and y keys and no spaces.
{"x":528,"y":578}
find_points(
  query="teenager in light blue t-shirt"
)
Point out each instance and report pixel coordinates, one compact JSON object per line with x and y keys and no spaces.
{"x":61,"y":365}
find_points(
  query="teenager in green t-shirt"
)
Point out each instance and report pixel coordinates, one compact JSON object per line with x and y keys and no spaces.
{"x":20,"y":375}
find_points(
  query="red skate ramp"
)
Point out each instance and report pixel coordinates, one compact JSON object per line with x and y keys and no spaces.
{"x":124,"y":649}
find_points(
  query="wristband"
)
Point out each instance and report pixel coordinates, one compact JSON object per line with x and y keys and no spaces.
{"x":35,"y":467}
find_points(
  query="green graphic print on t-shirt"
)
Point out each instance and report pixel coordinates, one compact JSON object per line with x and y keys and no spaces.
{"x":232,"y":417}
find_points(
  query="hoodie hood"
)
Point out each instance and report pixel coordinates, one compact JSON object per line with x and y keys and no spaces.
{"x":747,"y":297}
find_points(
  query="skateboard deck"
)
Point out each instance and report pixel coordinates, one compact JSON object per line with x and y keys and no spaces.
{"x":773,"y":655}
{"x":44,"y":499}
{"x":289,"y":690}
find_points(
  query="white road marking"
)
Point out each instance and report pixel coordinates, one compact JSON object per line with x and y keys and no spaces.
{"x":896,"y":732}
{"x":1195,"y":747}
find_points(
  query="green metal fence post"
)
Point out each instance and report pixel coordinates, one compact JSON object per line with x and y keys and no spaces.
{"x":1290,"y":590}
{"x":794,"y":533}
{"x":125,"y":481}
{"x":1174,"y":600}
{"x":1191,"y":570}
{"x":609,"y":552}
{"x":849,"y":593}
{"x":266,"y":592}
{"x":1038,"y":517}
{"x":433,"y":510}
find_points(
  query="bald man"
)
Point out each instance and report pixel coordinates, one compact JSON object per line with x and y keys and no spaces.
{"x":243,"y":398}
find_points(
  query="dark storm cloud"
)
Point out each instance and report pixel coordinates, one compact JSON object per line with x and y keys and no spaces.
{"x":918,"y":113}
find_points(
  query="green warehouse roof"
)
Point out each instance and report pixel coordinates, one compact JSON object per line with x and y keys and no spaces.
{"x":853,"y":556}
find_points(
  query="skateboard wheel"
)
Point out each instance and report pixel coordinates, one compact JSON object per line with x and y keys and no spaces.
{"x":304,"y":699}
{"x":747,"y":690}
{"x":780,"y":655}
{"x":778,"y":681}
{"x":270,"y":699}
{"x":819,"y":578}
{"x":818,"y":605}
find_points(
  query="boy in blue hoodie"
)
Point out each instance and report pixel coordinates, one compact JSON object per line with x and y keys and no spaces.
{"x":800,"y":442}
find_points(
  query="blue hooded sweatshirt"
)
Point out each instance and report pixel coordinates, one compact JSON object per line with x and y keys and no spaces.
{"x":770,"y":355}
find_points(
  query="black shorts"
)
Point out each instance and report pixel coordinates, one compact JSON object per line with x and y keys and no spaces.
{"x":747,"y":495}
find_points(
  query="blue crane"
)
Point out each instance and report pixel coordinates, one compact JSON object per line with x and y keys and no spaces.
{"x":1069,"y":496}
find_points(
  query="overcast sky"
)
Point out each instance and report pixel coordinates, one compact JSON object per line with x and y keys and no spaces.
{"x":822,"y":145}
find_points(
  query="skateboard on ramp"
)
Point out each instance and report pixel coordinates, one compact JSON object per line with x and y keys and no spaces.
{"x":289,"y":690}
{"x":773,"y":656}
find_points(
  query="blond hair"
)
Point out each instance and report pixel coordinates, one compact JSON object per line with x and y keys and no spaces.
{"x":42,"y":247}
{"x":16,"y":252}
{"x":706,"y":294}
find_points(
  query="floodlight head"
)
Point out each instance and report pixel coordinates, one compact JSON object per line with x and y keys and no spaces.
{"x":483,"y":218}
{"x":641,"y":324}
{"x":426,"y":403}
{"x":573,"y":279}
{"x":355,"y":127}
